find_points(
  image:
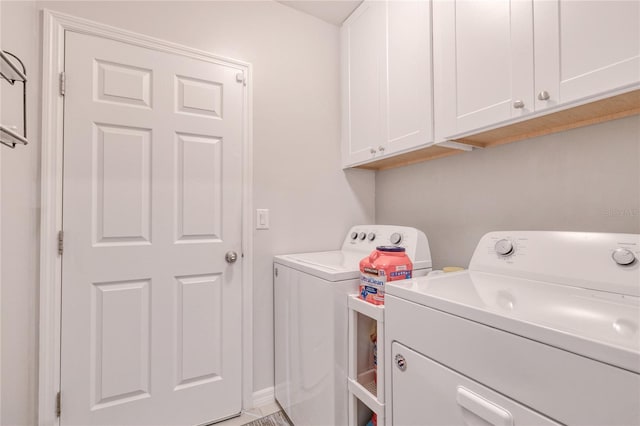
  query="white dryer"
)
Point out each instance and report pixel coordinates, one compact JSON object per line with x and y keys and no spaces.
{"x":311,"y":319}
{"x":542,"y":329}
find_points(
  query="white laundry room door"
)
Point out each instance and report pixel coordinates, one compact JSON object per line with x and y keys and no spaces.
{"x":151,"y":309}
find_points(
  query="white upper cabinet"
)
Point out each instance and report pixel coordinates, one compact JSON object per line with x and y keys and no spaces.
{"x":363,"y":82}
{"x":409,"y":80}
{"x":496,"y":60}
{"x":584,"y":48}
{"x":386,"y":77}
{"x":483,"y":54}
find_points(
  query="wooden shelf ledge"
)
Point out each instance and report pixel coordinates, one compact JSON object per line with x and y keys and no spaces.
{"x":429,"y":153}
{"x":598,"y":111}
{"x":619,"y":106}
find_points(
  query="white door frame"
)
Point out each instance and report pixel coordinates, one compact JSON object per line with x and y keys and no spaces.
{"x":54,"y":26}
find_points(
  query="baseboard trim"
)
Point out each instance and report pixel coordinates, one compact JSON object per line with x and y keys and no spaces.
{"x":263,"y":397}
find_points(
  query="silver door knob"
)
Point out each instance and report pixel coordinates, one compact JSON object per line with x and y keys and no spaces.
{"x":518,"y":104}
{"x":543,"y":96}
{"x":373,"y":151}
{"x":231,"y":256}
{"x":381,"y":148}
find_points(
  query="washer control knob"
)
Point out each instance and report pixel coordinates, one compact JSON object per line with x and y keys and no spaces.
{"x":504,"y":247}
{"x":623,"y":256}
{"x":354,"y":235}
{"x":395,"y":238}
{"x":371,"y":236}
{"x":362,"y":235}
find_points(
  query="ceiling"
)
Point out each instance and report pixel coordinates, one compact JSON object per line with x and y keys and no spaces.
{"x":332,"y":11}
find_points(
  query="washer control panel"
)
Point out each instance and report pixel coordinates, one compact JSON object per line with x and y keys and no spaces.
{"x":599,"y":261}
{"x":365,"y":238}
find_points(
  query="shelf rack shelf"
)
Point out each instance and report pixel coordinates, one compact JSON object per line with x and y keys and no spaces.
{"x":12,"y":74}
{"x":363,"y":387}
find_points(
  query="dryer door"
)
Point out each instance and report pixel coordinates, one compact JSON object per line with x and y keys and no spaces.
{"x":428,"y":393}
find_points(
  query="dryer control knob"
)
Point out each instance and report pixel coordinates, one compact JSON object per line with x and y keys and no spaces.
{"x":395,"y":238}
{"x":504,"y":247}
{"x":362,"y":235}
{"x":623,"y":256}
{"x":354,"y":235}
{"x":371,"y":236}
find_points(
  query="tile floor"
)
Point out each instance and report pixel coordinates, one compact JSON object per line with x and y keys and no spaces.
{"x":251,"y":415}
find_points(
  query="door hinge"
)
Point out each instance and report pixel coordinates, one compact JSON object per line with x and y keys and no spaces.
{"x":241,"y":79}
{"x":63,"y":83}
{"x":60,"y":242}
{"x":58,"y":405}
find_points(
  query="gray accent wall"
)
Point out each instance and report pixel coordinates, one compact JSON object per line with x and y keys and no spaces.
{"x":585,"y":179}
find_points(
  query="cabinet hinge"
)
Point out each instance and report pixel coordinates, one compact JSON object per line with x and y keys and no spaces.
{"x":63,"y":83}
{"x":58,"y":405}
{"x":241,"y":79}
{"x":60,"y":242}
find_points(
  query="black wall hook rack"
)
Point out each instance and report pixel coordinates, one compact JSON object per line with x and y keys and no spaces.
{"x":12,"y":74}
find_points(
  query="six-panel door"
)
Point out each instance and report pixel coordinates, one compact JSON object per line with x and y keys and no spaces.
{"x":152,"y":202}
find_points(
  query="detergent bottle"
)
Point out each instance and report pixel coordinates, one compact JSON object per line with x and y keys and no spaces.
{"x":384,"y":264}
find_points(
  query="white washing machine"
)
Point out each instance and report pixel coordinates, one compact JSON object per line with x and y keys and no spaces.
{"x":542,"y":329}
{"x":311,"y":320}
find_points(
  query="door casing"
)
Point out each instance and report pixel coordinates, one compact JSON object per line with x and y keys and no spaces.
{"x":55,"y":25}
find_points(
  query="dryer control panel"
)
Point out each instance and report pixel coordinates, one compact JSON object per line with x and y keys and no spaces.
{"x":598,"y":261}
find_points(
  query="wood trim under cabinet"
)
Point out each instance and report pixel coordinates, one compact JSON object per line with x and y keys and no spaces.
{"x":607,"y":109}
{"x":429,"y":153}
{"x":599,"y":111}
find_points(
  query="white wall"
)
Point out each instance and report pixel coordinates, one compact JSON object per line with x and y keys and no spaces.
{"x":20,"y":215}
{"x":297,"y":171}
{"x":585,"y":179}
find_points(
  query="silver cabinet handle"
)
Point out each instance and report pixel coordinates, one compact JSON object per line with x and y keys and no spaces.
{"x":543,"y":96}
{"x":518,"y":104}
{"x":231,"y":257}
{"x":373,"y":151}
{"x":381,"y":148}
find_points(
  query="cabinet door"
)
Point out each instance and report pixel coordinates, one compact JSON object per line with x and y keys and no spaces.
{"x":483,"y":54}
{"x":363,"y":79}
{"x":585,"y":48}
{"x":409,"y":81}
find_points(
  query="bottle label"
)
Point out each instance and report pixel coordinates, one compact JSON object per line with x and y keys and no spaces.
{"x":372,"y":282}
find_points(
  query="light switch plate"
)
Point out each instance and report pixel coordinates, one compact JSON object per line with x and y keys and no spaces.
{"x":262,"y":218}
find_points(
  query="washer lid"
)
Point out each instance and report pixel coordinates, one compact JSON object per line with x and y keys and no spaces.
{"x":336,"y":265}
{"x":599,"y":325}
{"x":329,"y":265}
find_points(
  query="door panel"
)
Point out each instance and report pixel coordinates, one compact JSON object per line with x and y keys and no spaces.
{"x":410,"y":106}
{"x":428,"y":393}
{"x":152,"y":202}
{"x":363,"y":45}
{"x":482,"y":65}
{"x":585,"y":48}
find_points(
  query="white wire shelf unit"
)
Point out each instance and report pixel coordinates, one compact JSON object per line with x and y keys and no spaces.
{"x":362,"y":386}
